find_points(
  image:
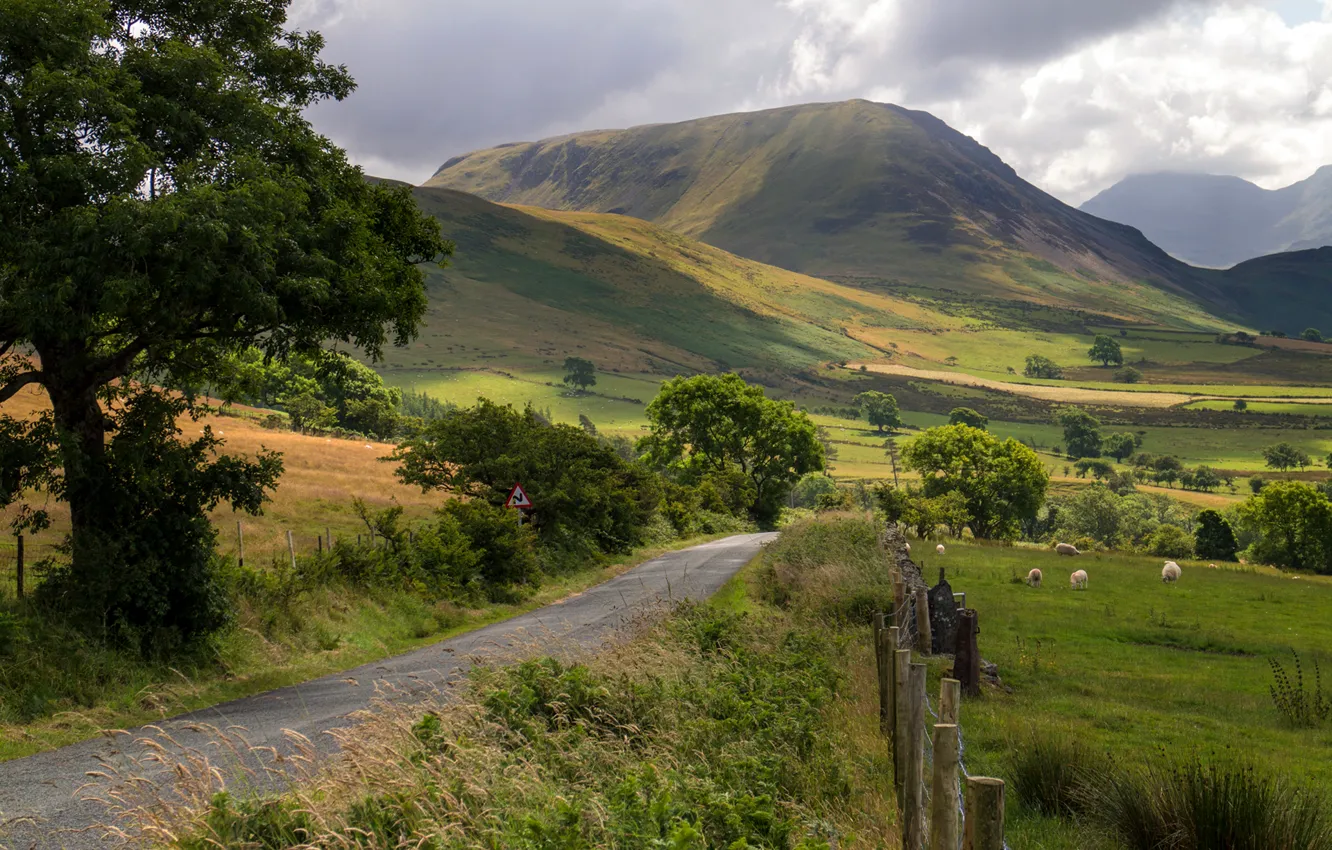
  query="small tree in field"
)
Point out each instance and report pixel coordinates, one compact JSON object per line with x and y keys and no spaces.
{"x":579,"y":373}
{"x":1082,"y":433}
{"x":1128,"y":375}
{"x":880,"y":410}
{"x":1039,"y":366}
{"x":1119,"y":446}
{"x":1284,"y":456}
{"x":1106,"y":350}
{"x":967,"y":416}
{"x":1240,"y":405}
{"x":1312,"y":335}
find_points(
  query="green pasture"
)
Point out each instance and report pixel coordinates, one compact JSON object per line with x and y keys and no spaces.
{"x":606,"y":405}
{"x":1268,"y":407}
{"x":1134,"y":667}
{"x":994,"y":351}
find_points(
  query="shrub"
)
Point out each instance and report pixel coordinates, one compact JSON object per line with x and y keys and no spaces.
{"x":507,"y":551}
{"x":1170,"y":541}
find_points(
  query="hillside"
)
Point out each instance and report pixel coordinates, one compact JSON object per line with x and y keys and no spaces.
{"x":529,"y":287}
{"x":1217,"y":221}
{"x":862,"y":193}
{"x":1289,"y":292}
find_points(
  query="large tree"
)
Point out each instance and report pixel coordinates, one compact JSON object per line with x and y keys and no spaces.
{"x":1082,"y":432}
{"x":1003,"y":482}
{"x":164,"y":202}
{"x":1283,"y":456}
{"x":711,"y":424}
{"x":1106,"y":349}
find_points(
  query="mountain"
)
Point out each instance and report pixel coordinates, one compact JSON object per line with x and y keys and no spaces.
{"x":1216,"y":221}
{"x":1287,"y":292}
{"x":528,"y":287}
{"x":868,"y":194}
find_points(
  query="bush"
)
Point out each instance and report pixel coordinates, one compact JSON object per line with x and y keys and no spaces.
{"x":1214,"y":539}
{"x":507,"y":551}
{"x":1170,"y":541}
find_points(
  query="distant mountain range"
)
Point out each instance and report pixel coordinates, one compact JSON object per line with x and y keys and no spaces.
{"x":1216,"y":221}
{"x":891,"y":201}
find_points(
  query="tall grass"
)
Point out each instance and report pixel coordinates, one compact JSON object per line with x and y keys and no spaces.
{"x":1050,"y":772}
{"x":1217,"y":806}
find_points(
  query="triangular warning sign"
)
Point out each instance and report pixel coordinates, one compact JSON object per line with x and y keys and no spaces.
{"x":518,"y":498}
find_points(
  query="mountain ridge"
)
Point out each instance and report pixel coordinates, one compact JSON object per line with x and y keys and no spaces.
{"x":1220,"y":221}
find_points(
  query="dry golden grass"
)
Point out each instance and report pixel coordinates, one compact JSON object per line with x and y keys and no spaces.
{"x":322,"y":475}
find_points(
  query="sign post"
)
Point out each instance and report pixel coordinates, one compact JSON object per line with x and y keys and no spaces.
{"x":518,"y":499}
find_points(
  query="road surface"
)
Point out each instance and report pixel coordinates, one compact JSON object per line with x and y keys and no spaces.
{"x":43,"y":798}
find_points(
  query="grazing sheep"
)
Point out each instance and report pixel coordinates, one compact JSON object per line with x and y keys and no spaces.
{"x":1034,"y":578}
{"x":1211,"y":566}
{"x":1078,"y":580}
{"x":1067,"y":549}
{"x":908,"y":548}
{"x":1171,"y":572}
{"x":939,"y":548}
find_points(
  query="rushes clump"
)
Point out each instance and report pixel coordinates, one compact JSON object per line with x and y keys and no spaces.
{"x":1299,"y":703}
{"x":1050,"y":772}
{"x":1217,"y":806}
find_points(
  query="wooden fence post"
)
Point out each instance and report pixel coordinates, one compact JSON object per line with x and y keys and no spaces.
{"x":240,"y":545}
{"x":881,"y":669}
{"x":923,"y":640}
{"x":890,"y":668}
{"x":984,"y":817}
{"x":18,"y":577}
{"x":966,"y":658}
{"x":943,"y":796}
{"x":901,"y":671}
{"x":328,"y":538}
{"x":291,"y":549}
{"x":899,"y":603}
{"x":913,"y":818}
{"x":319,"y":543}
{"x":950,"y":701}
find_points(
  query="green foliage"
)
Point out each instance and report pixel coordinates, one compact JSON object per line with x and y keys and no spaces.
{"x":1284,"y":456}
{"x":582,"y":489}
{"x":1082,"y":435}
{"x":145,"y":573}
{"x":1170,"y":541}
{"x":811,"y":488}
{"x":1257,"y":483}
{"x":880,"y":410}
{"x":1106,"y":350}
{"x":1114,"y":520}
{"x":424,"y":406}
{"x":579,"y":373}
{"x":713,"y":424}
{"x":174,"y":204}
{"x":1240,"y":405}
{"x":1214,"y":539}
{"x":967,"y":416}
{"x":1291,"y":523}
{"x":1119,"y":446}
{"x":1312,"y":335}
{"x":1128,"y":375}
{"x":1039,"y":366}
{"x":1002,"y":482}
{"x":1099,"y":469}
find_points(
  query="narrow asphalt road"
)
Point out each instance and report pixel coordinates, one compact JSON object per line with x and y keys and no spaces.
{"x":44,"y":799}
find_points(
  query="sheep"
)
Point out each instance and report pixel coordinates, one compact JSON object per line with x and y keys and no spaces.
{"x":908,"y":548}
{"x":939,"y":548}
{"x":1067,"y":549}
{"x":1078,"y":580}
{"x":1034,"y":578}
{"x":1171,"y":572}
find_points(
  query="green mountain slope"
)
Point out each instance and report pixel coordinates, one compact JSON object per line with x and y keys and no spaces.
{"x":862,"y":193}
{"x":528,"y":287}
{"x":1289,"y":292}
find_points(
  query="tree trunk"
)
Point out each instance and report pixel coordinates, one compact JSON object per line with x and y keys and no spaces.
{"x":83,"y":450}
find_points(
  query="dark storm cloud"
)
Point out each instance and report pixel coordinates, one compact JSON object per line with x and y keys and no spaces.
{"x":442,"y":77}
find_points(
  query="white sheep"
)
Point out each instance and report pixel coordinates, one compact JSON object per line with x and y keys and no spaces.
{"x":1171,"y":572}
{"x":908,"y":548}
{"x":1078,"y":580}
{"x":939,"y":548}
{"x":1067,"y":549}
{"x":1034,"y":578}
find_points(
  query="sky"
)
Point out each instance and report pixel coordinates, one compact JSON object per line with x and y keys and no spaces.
{"x":1074,"y":94}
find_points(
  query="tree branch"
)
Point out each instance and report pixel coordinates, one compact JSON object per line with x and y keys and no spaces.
{"x":18,"y":382}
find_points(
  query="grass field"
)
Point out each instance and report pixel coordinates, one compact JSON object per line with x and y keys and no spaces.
{"x":1268,"y":407}
{"x":1134,"y":667}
